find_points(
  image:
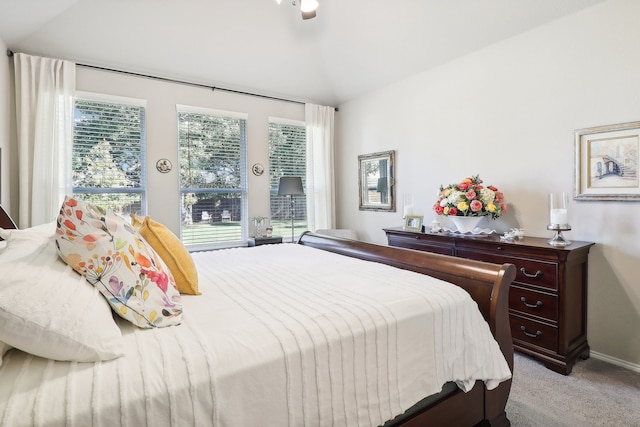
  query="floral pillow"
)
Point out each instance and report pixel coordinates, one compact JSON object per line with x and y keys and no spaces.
{"x":114,"y":258}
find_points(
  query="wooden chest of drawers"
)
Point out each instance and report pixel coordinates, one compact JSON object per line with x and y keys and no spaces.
{"x":548,"y":298}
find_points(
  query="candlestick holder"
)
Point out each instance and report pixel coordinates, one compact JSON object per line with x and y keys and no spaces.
{"x":558,"y":240}
{"x":558,"y":218}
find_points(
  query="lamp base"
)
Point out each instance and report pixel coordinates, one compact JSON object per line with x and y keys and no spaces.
{"x":292,"y":219}
{"x":558,"y":240}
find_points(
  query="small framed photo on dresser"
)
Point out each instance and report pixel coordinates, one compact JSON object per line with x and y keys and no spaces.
{"x":413,"y":222}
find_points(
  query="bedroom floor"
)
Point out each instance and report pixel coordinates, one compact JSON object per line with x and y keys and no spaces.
{"x":596,"y":393}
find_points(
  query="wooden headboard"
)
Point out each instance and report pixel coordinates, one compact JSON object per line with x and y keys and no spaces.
{"x":5,"y":220}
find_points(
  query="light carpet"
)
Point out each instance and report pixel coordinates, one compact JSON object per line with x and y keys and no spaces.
{"x":596,"y":393}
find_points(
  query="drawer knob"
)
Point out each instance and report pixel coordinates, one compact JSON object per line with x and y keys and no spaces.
{"x":529,"y":275}
{"x":536,"y":305}
{"x":529,"y":334}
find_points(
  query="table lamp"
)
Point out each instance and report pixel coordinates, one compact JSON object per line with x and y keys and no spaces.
{"x":290,"y":186}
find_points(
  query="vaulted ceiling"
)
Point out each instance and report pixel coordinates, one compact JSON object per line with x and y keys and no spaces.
{"x":350,"y":48}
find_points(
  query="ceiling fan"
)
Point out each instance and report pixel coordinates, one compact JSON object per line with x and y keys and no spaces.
{"x":307,"y":7}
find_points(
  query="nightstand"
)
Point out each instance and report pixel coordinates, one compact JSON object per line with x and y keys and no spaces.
{"x":257,"y":241}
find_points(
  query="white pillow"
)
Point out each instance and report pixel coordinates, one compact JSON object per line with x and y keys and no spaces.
{"x":46,"y":308}
{"x":19,"y":244}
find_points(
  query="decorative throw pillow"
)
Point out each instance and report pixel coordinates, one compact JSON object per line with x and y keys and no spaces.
{"x":113,"y":257}
{"x":46,"y":308}
{"x":172,"y":251}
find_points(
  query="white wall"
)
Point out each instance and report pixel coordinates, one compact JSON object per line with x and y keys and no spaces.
{"x":162,"y":128}
{"x":508,"y":113}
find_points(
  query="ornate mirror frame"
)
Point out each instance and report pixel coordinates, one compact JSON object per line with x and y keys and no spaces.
{"x":376,"y":181}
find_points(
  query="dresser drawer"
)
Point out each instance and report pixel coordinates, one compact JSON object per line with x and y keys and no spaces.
{"x":534,"y":303}
{"x":417,"y":242}
{"x":532,"y":272}
{"x":534,"y":332}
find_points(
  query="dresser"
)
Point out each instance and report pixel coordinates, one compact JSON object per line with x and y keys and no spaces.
{"x":548,"y":298}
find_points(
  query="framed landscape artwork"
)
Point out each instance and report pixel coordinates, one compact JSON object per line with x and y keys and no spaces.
{"x":606,"y":163}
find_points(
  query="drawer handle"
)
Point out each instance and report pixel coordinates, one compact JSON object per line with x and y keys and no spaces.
{"x":529,"y":334}
{"x":529,"y":275}
{"x":536,"y":305}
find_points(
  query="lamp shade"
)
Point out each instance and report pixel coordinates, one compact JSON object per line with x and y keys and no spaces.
{"x":290,"y":186}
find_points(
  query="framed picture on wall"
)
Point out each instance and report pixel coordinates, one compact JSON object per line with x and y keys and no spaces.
{"x":606,"y":162}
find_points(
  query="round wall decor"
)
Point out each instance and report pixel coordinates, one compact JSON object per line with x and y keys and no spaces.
{"x":257,"y":169}
{"x":164,"y":166}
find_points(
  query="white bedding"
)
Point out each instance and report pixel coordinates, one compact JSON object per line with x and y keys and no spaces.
{"x":282,"y":335}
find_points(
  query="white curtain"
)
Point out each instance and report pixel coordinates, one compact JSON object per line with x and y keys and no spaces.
{"x":320,"y":169}
{"x":44,"y":111}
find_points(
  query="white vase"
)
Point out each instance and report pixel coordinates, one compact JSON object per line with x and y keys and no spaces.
{"x":466,"y":224}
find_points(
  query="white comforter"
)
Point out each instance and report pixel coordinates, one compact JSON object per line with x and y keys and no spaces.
{"x":282,"y":335}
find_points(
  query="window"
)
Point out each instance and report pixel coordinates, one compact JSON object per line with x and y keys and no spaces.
{"x":108,"y":154}
{"x":213,"y":189}
{"x":287,"y":157}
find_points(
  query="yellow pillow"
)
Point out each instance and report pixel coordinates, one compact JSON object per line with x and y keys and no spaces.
{"x":172,"y":252}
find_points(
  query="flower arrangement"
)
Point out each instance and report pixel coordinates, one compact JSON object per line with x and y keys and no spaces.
{"x":470,"y":198}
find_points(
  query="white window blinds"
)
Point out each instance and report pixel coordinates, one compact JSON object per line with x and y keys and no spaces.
{"x":108,"y":155}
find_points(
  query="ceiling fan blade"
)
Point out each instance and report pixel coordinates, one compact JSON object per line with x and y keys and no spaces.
{"x":308,"y":15}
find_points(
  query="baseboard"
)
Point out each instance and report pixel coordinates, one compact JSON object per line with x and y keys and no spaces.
{"x":614,"y":361}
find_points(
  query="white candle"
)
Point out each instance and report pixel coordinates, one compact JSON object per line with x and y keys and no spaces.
{"x":559,"y":216}
{"x":408,"y":210}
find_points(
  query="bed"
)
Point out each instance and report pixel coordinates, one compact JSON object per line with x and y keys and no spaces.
{"x":279,"y":335}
